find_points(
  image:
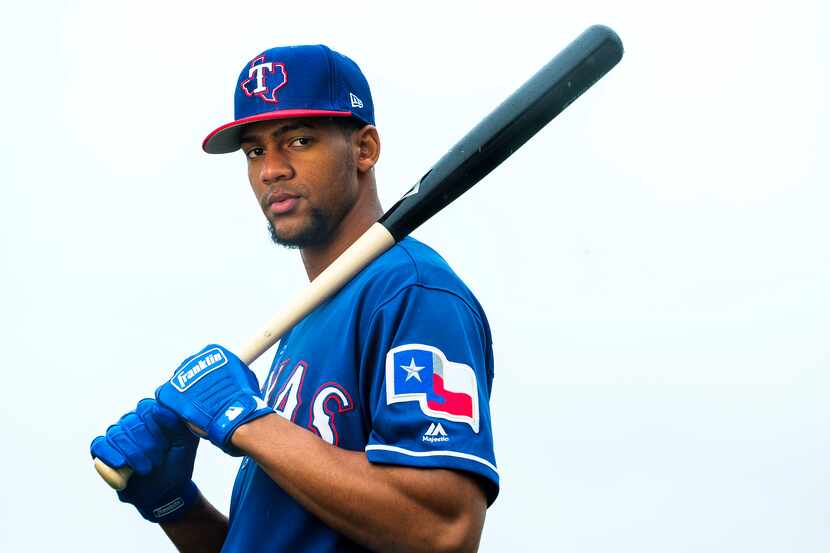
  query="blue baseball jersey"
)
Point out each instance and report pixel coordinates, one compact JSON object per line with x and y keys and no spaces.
{"x":399,"y":365}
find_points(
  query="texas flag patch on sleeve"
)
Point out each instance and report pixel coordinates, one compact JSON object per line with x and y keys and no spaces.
{"x":441,"y":388}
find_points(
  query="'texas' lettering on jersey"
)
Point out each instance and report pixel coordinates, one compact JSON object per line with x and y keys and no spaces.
{"x":442,"y":389}
{"x":264,"y":79}
{"x":328,"y":399}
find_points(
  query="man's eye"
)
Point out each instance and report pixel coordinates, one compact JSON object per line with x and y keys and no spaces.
{"x":300,"y":141}
{"x":254,"y":152}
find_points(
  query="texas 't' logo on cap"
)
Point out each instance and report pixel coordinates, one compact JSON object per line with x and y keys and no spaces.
{"x":264,"y":79}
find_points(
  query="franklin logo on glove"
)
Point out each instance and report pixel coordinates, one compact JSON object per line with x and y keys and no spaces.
{"x":214,"y":402}
{"x":197,"y":368}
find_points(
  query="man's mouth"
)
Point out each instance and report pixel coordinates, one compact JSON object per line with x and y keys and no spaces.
{"x":282,"y":202}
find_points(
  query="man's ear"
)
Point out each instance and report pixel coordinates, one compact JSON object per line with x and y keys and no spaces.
{"x":367,"y":146}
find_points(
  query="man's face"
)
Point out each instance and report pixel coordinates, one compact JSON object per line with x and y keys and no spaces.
{"x":304,"y":176}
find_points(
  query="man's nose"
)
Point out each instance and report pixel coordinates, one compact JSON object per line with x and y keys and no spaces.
{"x":275,"y":168}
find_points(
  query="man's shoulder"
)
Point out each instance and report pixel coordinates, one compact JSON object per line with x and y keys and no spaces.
{"x":411,"y":263}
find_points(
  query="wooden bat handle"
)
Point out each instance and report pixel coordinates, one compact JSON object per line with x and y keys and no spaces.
{"x":370,"y":245}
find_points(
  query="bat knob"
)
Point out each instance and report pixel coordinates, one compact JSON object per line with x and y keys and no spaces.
{"x":116,"y":478}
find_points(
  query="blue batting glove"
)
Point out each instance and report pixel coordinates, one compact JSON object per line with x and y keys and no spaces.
{"x":215,"y":392}
{"x":161,"y":450}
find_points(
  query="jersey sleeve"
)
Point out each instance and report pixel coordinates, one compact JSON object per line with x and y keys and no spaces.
{"x":429,"y":371}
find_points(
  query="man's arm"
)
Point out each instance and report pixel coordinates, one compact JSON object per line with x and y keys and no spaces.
{"x":202,"y":530}
{"x":385,"y":508}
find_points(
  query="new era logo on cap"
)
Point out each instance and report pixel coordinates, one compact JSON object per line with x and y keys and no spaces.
{"x":290,"y":82}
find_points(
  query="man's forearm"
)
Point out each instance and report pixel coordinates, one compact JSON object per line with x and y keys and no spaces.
{"x":202,"y":530}
{"x":384,"y":508}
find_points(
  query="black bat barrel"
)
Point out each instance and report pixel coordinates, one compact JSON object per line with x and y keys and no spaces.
{"x":573,"y":71}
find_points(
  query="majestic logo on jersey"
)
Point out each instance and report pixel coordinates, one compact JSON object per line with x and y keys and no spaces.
{"x":435,"y":433}
{"x":264,"y":79}
{"x":442,"y":389}
{"x":197,"y":367}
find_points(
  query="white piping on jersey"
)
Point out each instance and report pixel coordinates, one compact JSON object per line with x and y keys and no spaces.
{"x":403,"y":451}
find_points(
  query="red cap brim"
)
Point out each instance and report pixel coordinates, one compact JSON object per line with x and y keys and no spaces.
{"x":225,"y":139}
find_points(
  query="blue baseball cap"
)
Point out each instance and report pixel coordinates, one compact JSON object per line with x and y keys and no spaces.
{"x":294,"y":81}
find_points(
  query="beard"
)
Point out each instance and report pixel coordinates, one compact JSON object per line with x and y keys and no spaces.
{"x":316,"y":233}
{"x":322,"y":222}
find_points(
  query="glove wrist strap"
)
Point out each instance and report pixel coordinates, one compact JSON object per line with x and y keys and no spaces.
{"x":174,"y":506}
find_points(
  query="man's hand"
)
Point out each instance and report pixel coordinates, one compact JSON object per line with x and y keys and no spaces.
{"x":215,"y":392}
{"x":158,"y":447}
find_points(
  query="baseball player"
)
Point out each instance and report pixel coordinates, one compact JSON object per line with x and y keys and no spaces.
{"x":372,"y":430}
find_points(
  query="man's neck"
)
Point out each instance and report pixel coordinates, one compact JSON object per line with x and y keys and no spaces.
{"x":353,"y":225}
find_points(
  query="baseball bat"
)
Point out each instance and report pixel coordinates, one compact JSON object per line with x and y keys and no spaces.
{"x":552,"y":89}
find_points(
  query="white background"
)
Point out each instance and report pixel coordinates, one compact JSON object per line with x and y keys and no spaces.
{"x":654,"y":264}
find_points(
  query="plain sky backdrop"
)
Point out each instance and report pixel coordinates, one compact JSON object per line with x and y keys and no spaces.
{"x":654,"y":264}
